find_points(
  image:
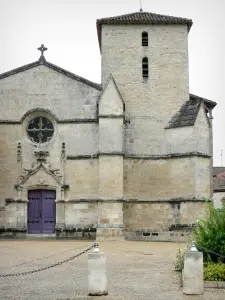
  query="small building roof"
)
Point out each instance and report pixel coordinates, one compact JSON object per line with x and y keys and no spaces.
{"x":187,"y":114}
{"x":219,"y":179}
{"x":142,"y":18}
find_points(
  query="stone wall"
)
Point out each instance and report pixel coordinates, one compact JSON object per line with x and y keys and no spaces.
{"x":111,"y":177}
{"x":161,"y":221}
{"x":82,"y":177}
{"x":80,"y":215}
{"x":154,"y":179}
{"x":191,"y":138}
{"x":152,"y":103}
{"x":110,"y":220}
{"x":202,"y":180}
{"x":9,"y":137}
{"x":42,"y":87}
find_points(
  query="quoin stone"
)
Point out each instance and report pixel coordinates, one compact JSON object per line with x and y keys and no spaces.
{"x":193,"y":283}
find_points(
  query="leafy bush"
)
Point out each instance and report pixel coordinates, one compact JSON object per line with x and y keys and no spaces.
{"x":209,"y":234}
{"x":214,"y":272}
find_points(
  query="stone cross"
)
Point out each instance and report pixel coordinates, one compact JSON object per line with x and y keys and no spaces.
{"x":42,"y":48}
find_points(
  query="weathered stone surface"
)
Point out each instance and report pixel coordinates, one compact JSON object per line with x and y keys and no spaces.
{"x":97,"y":278}
{"x":110,"y":146}
{"x":193,"y":273}
{"x":162,"y":217}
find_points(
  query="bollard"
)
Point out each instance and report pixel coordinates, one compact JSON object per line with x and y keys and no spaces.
{"x":97,"y":279}
{"x":193,"y":283}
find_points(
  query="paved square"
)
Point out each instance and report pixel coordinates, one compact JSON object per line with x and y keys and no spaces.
{"x":136,"y":270}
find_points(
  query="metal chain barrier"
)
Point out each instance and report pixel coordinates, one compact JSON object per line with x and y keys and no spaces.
{"x":48,"y":267}
{"x":211,"y":251}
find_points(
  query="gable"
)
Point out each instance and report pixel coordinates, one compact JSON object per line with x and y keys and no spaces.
{"x":41,"y":176}
{"x":42,"y":87}
{"x":111,"y":102}
{"x":202,"y":120}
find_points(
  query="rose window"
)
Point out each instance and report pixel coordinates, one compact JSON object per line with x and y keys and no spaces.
{"x":40,"y":130}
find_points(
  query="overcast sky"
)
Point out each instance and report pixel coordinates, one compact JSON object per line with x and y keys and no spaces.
{"x":68,"y":29}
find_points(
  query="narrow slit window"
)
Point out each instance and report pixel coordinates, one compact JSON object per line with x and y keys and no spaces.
{"x":144,"y":38}
{"x":145,"y":67}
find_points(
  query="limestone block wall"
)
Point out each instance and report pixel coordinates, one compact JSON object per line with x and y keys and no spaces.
{"x":80,"y":215}
{"x":161,"y":221}
{"x":15,"y":215}
{"x":80,"y":138}
{"x":157,"y":179}
{"x":110,"y":220}
{"x":111,"y":176}
{"x":9,"y":137}
{"x":167,"y":85}
{"x":41,"y":91}
{"x":191,"y":138}
{"x":202,"y":132}
{"x":203,"y":178}
{"x":82,"y":177}
{"x":111,"y":135}
{"x":145,"y":135}
{"x":180,"y":140}
{"x":45,"y":88}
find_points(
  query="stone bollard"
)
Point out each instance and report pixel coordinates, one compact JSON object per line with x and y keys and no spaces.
{"x":97,"y":280}
{"x":193,"y":283}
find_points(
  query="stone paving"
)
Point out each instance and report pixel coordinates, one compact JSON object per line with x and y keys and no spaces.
{"x":136,"y":270}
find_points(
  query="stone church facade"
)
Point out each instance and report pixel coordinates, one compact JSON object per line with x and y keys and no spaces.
{"x":130,"y":157}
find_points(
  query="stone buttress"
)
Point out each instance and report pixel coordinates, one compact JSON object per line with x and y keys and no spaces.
{"x":111,"y":152}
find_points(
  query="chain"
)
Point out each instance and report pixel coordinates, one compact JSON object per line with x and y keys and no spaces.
{"x":211,"y":251}
{"x":48,"y":267}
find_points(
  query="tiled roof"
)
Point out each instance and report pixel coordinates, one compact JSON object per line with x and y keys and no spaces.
{"x":187,"y":114}
{"x":145,"y":18}
{"x":219,"y":179}
{"x":53,"y":67}
{"x":142,"y":18}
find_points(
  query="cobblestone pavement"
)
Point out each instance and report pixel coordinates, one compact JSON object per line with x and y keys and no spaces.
{"x":136,"y":270}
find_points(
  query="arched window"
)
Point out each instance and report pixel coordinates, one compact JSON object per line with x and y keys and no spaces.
{"x":145,"y":67}
{"x":144,"y":38}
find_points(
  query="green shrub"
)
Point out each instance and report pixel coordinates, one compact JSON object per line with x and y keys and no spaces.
{"x":209,"y":234}
{"x":214,"y":272}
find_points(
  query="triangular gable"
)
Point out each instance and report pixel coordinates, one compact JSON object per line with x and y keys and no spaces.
{"x":41,"y":173}
{"x":111,"y":102}
{"x":202,"y":117}
{"x":53,"y":67}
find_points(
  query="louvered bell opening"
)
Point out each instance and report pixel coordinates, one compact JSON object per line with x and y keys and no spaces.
{"x":145,"y":73}
{"x":144,"y":39}
{"x":145,"y":67}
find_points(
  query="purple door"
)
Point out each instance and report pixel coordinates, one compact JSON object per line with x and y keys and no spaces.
{"x":41,"y":211}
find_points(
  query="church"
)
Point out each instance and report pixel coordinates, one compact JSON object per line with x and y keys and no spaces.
{"x":128,"y":158}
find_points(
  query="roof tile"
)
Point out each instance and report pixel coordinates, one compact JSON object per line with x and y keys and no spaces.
{"x":187,"y":114}
{"x":218,"y":182}
{"x":145,"y":18}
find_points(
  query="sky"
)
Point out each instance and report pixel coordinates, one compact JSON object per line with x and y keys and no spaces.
{"x":68,"y":30}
